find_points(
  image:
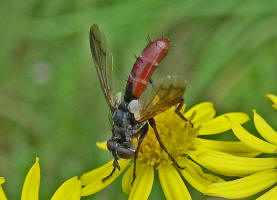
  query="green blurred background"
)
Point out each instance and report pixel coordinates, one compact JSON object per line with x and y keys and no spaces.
{"x":51,"y":104}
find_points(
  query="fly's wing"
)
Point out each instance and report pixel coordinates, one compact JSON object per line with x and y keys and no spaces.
{"x":160,"y":96}
{"x":103,"y":60}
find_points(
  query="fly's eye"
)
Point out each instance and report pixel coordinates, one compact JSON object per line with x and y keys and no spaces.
{"x":111,"y":145}
{"x":125,"y":153}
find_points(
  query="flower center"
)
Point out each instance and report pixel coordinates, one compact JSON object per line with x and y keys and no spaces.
{"x":176,"y":134}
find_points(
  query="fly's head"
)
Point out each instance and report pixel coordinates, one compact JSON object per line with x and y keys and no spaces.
{"x":120,"y":150}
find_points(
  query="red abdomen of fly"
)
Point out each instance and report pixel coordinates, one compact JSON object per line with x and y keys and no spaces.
{"x":144,"y":67}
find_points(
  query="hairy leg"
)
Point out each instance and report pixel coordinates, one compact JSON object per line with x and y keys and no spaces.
{"x":115,"y":165}
{"x":141,"y":137}
{"x":153,"y":125}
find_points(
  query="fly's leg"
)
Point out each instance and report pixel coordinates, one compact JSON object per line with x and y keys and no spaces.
{"x":144,"y":131}
{"x":178,"y":112}
{"x":153,"y":125}
{"x":106,"y":178}
{"x":115,"y":166}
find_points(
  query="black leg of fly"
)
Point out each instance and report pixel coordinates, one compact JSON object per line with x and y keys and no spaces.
{"x":115,"y":166}
{"x":178,"y":112}
{"x":153,"y":125}
{"x":144,"y":131}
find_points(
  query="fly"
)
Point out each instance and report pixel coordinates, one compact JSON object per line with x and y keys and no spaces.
{"x":132,"y":117}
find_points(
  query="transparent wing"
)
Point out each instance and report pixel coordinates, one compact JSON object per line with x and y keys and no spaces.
{"x":160,"y":96}
{"x":103,"y":60}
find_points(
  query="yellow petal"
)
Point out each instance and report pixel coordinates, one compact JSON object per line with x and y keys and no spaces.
{"x":245,"y":186}
{"x":102,"y":145}
{"x":236,"y":148}
{"x":230,"y":165}
{"x":273,"y":98}
{"x":194,"y":174}
{"x":172,"y":184}
{"x":2,"y":193}
{"x":69,"y":190}
{"x":127,"y":180}
{"x":92,"y":181}
{"x":220,"y":123}
{"x":265,"y":129}
{"x":250,"y":140}
{"x":204,"y":112}
{"x":143,"y":183}
{"x":30,"y":190}
{"x":271,"y":194}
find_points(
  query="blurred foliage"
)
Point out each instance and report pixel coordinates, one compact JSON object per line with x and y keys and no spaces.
{"x":51,"y":104}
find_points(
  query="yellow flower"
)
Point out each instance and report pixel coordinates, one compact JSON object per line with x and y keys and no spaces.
{"x":258,"y":181}
{"x":189,"y":150}
{"x":2,"y":194}
{"x":273,"y":98}
{"x":69,"y":190}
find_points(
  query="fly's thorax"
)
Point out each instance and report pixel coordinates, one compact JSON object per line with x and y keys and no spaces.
{"x":124,"y":124}
{"x":122,"y":117}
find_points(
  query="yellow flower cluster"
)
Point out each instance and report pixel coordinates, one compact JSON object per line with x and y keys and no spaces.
{"x":189,"y":149}
{"x":233,"y":159}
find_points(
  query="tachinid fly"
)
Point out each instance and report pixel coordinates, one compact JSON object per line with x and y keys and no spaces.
{"x":132,"y":117}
